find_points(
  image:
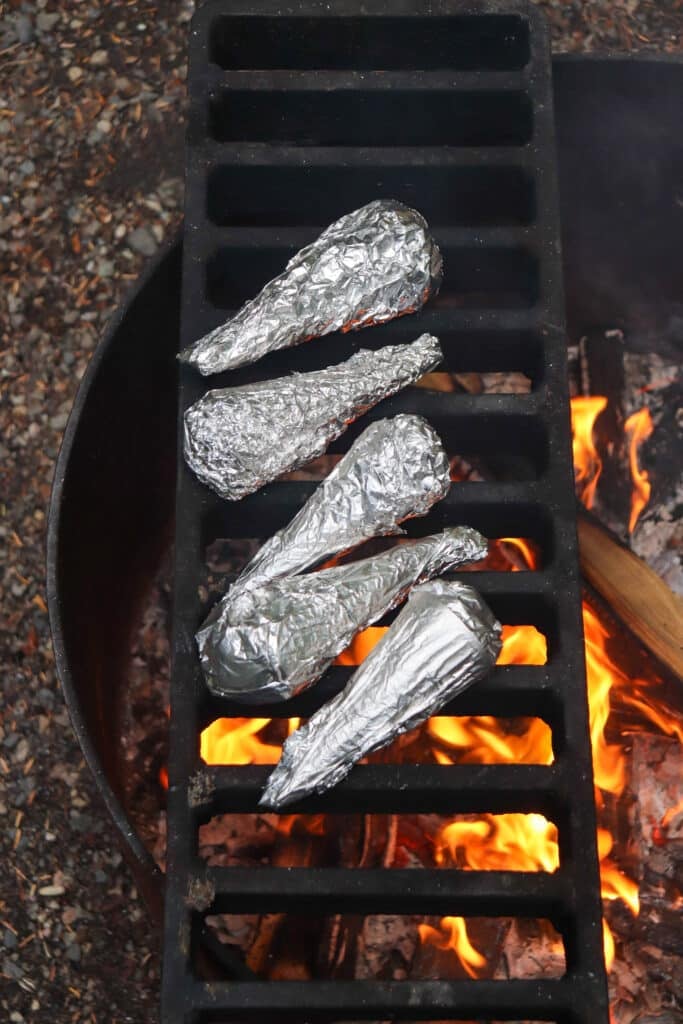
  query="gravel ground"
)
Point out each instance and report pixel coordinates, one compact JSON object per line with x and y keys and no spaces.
{"x":91,"y":126}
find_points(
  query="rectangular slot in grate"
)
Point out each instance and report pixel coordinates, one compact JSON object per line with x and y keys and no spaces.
{"x":298,"y":116}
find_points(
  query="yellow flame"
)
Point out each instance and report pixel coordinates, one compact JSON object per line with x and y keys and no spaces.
{"x":587,"y":462}
{"x":638,"y":428}
{"x":453,"y":935}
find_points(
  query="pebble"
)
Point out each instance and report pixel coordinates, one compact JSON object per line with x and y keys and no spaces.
{"x":73,"y":952}
{"x":143,"y":241}
{"x":22,"y":749}
{"x":52,"y":890}
{"x":99,"y":58}
{"x":74,"y":73}
{"x":23,"y":26}
{"x":105,"y":268}
{"x":46,"y":20}
{"x":59,"y":421}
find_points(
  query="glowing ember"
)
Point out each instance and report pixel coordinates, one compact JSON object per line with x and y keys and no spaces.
{"x":638,"y":428}
{"x":587,"y":462}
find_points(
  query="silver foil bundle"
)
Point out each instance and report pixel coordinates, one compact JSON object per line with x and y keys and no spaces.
{"x":237,"y":439}
{"x":397,"y":469}
{"x":444,"y":640}
{"x":270,"y":643}
{"x":370,"y":266}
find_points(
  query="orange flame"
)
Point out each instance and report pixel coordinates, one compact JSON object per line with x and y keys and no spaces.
{"x":500,"y":842}
{"x":453,"y":935}
{"x":608,"y":760}
{"x":638,"y":428}
{"x":587,"y":462}
{"x":608,"y":945}
{"x":523,"y":547}
{"x":236,"y":741}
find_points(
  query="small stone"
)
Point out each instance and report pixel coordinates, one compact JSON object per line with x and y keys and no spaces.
{"x":27,"y":167}
{"x":74,"y":73}
{"x":143,"y":241}
{"x":59,"y":421}
{"x":105,"y":268}
{"x":21,"y":752}
{"x":23,"y":26}
{"x":99,"y":58}
{"x":46,"y":21}
{"x":74,"y":952}
{"x":104,"y":126}
{"x":10,"y":939}
{"x":52,"y":890}
{"x":9,"y":967}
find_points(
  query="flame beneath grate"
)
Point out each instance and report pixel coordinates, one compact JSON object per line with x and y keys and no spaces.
{"x":521,"y":842}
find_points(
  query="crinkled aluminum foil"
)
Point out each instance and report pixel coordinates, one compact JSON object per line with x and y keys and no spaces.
{"x":445,"y":639}
{"x":397,"y":469}
{"x":237,"y":439}
{"x":370,"y":266}
{"x":270,"y":643}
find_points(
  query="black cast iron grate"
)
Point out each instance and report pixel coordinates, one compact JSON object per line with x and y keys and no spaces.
{"x":299,"y":114}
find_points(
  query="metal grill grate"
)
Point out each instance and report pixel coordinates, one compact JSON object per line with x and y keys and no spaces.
{"x":299,"y":114}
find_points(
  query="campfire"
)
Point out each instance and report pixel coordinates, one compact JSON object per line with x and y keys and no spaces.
{"x":635,"y":736}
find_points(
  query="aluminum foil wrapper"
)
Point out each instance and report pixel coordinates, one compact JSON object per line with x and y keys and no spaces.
{"x":270,"y":643}
{"x":397,"y":468}
{"x":444,"y":640}
{"x":374,"y":264}
{"x":237,"y":439}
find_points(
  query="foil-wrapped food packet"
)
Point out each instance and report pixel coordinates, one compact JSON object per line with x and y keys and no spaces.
{"x":271,"y":643}
{"x":397,"y":468}
{"x":444,"y":640}
{"x":372,"y":265}
{"x":238,"y":439}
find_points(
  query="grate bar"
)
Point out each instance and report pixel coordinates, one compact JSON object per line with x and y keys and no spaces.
{"x":405,"y":789}
{"x":419,"y":1000}
{"x":293,"y":123}
{"x":510,"y":691}
{"x":393,"y":891}
{"x":362,"y":81}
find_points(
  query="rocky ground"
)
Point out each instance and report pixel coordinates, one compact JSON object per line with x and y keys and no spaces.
{"x":91,"y":136}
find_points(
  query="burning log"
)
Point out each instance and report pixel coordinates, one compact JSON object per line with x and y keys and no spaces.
{"x":237,"y":439}
{"x":272,"y":642}
{"x":370,"y":266}
{"x":444,"y":640}
{"x":637,"y":595}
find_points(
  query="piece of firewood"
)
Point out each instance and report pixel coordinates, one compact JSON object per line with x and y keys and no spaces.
{"x":643,"y":602}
